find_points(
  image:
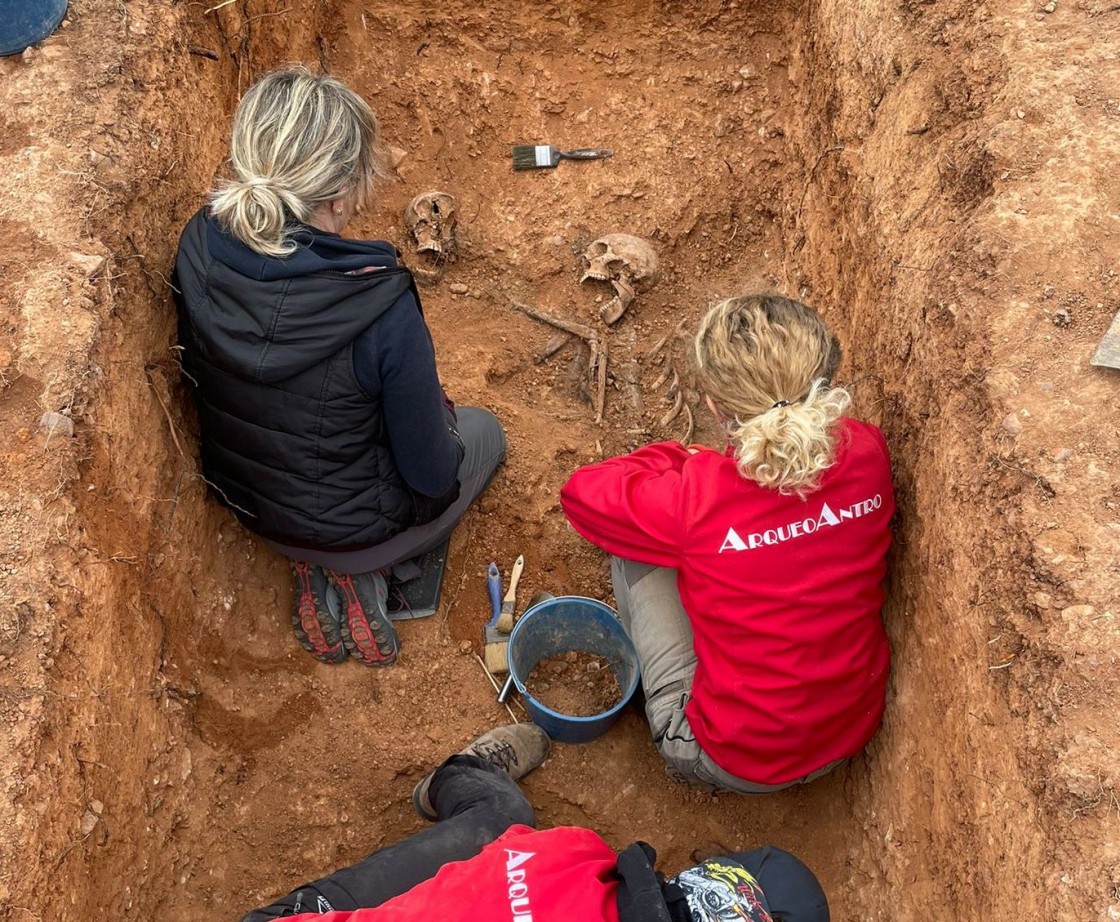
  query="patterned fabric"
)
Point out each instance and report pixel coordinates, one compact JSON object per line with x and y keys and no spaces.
{"x":720,"y":890}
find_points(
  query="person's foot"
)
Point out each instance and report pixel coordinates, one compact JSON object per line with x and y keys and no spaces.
{"x":317,"y":628}
{"x":515,"y":748}
{"x":367,"y":632}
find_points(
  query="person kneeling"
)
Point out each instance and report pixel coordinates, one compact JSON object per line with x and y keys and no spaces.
{"x":485,"y":860}
{"x":750,"y":578}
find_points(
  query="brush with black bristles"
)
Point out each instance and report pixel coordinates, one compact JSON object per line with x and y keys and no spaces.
{"x":545,"y":156}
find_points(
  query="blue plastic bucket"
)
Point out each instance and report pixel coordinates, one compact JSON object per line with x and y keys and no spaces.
{"x":25,"y":22}
{"x":561,"y":625}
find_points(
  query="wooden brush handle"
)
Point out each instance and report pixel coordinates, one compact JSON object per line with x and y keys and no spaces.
{"x":514,"y":578}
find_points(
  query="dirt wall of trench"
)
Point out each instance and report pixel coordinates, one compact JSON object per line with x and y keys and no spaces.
{"x":968,"y":257}
{"x":171,"y":755}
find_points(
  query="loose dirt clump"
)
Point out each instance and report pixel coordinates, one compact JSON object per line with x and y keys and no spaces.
{"x":937,"y":177}
{"x":577,"y":683}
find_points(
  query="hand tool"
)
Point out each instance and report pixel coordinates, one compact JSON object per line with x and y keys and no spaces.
{"x":494,"y":641}
{"x":538,"y":156}
{"x":505,"y":620}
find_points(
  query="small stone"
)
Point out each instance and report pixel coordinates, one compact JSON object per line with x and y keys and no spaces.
{"x":1113,"y":913}
{"x":28,"y":55}
{"x":1062,"y":455}
{"x":1061,"y":318}
{"x":396,"y":156}
{"x":556,"y":240}
{"x":89,"y":263}
{"x":1012,"y":425}
{"x":97,"y":807}
{"x":465,"y":647}
{"x":458,"y":288}
{"x":1050,"y":7}
{"x":1019,"y":113}
{"x":56,"y":424}
{"x":1078,"y":613}
{"x":89,"y":822}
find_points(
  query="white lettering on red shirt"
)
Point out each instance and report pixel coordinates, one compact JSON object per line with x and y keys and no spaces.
{"x":826,"y":518}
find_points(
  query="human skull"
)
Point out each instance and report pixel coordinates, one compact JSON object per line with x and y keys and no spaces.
{"x":627,"y":262}
{"x":431,"y":218}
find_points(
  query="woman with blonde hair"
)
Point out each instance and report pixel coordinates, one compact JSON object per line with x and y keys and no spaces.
{"x":323,"y":423}
{"x":750,"y":578}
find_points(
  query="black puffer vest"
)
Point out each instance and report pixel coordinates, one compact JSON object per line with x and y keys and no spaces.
{"x":289,"y":440}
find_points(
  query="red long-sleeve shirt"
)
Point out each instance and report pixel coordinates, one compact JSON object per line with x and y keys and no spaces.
{"x":784,"y":594}
{"x":525,"y":875}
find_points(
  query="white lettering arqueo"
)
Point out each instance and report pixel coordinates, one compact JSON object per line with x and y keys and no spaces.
{"x":519,"y":908}
{"x":826,"y":518}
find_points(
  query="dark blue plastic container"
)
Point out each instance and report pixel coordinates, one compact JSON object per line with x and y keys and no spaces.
{"x":25,"y":22}
{"x":561,"y":625}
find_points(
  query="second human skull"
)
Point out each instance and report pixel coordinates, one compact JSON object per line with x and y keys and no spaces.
{"x":431,"y":219}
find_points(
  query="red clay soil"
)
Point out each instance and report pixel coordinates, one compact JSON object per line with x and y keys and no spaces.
{"x":937,"y":177}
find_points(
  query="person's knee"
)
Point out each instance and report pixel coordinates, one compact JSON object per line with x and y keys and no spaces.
{"x":519,"y":814}
{"x":485,"y":453}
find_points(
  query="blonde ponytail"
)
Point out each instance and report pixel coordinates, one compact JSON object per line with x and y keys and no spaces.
{"x":299,"y":140}
{"x":766,"y":363}
{"x":787,"y":448}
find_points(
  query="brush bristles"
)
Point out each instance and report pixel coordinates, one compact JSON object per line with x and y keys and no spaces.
{"x":532,"y":157}
{"x":494,"y":656}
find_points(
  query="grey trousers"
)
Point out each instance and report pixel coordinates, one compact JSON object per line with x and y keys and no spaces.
{"x":485,"y":445}
{"x":650,"y":608}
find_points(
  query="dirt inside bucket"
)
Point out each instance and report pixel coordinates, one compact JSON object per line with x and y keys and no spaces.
{"x":577,"y":683}
{"x":936,"y":176}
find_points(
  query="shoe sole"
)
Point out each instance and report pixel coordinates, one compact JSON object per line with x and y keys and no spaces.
{"x":358,"y":635}
{"x":312,"y":621}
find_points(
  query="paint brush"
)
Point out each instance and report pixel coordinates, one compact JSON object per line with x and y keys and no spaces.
{"x":505,"y":619}
{"x":545,"y":156}
{"x":494,"y":641}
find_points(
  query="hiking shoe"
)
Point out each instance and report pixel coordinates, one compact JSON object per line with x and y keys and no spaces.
{"x":318,"y":629}
{"x":367,"y":632}
{"x":515,"y":748}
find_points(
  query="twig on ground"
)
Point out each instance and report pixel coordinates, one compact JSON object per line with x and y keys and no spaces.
{"x":497,"y":687}
{"x":220,"y":5}
{"x":167,"y":413}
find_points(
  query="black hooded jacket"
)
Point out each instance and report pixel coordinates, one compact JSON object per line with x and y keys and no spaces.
{"x":290,"y":440}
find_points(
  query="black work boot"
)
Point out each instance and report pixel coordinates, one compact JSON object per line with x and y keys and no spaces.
{"x":367,"y":632}
{"x":515,"y":748}
{"x":317,"y":628}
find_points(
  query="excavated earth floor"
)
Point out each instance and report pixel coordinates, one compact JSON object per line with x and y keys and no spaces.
{"x":937,"y":177}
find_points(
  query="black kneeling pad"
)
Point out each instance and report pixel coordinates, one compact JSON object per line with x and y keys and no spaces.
{"x":415,"y":585}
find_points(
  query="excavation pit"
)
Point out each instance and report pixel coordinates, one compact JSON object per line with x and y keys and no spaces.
{"x":170,"y":753}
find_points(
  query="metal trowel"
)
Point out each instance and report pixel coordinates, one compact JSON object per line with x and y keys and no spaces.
{"x":1108,"y":352}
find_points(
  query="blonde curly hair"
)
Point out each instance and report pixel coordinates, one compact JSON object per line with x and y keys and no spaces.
{"x":299,"y":140}
{"x":766,"y":364}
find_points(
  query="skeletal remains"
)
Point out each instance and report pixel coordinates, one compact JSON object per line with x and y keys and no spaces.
{"x":597,"y":368}
{"x":432,"y":219}
{"x":628,"y":263}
